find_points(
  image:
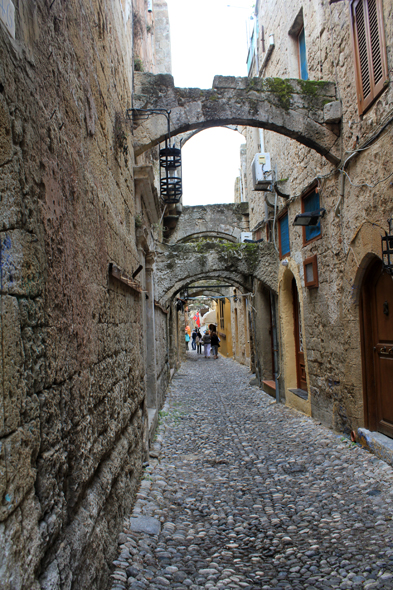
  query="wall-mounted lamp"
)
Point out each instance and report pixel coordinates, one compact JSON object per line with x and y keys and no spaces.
{"x":309,"y":218}
{"x":284,"y":262}
{"x":387,"y":249}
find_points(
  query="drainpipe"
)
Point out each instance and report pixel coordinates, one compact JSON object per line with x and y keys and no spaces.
{"x":256,"y":356}
{"x":275,"y":344}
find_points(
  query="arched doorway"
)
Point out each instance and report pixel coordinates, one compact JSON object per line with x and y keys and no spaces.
{"x":294,"y":353}
{"x":376,"y":320}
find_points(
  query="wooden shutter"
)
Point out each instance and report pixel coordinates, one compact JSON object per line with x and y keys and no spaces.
{"x":284,"y":235}
{"x":370,"y":50}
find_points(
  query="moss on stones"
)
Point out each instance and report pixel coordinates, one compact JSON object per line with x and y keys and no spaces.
{"x":282,"y":89}
{"x":310,"y":87}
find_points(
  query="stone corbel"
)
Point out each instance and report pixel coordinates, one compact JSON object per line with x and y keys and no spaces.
{"x":145,"y":187}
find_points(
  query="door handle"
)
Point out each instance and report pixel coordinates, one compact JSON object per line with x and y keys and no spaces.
{"x":385,"y":352}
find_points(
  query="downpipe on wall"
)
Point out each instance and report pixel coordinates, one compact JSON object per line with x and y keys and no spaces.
{"x":275,"y":344}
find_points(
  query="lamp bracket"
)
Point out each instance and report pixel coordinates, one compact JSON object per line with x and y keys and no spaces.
{"x":144,"y":114}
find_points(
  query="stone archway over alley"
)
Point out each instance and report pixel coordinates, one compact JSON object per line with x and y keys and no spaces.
{"x":302,"y":110}
{"x":243,"y":493}
{"x":93,"y":256}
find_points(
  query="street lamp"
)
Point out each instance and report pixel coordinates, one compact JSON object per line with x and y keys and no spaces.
{"x":170,"y":174}
{"x":309,"y":218}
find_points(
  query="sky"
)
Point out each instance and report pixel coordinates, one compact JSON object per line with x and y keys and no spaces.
{"x":208,"y":37}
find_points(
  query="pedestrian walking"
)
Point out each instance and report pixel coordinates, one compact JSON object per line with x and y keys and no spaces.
{"x":206,"y":343}
{"x":193,"y":339}
{"x":215,"y":343}
{"x":198,"y":341}
{"x":187,"y":337}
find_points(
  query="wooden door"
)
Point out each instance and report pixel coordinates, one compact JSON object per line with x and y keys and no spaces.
{"x":377,"y":308}
{"x":300,"y":364}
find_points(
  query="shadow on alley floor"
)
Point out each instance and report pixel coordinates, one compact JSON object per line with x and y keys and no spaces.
{"x":243,"y":493}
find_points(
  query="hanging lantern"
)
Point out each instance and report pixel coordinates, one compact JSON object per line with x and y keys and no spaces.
{"x":170,"y":174}
{"x":387,"y":250}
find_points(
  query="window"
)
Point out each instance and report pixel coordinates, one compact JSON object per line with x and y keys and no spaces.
{"x":283,"y":235}
{"x":310,"y":203}
{"x":311,"y":272}
{"x":371,"y":68}
{"x":301,"y":41}
{"x":297,"y":48}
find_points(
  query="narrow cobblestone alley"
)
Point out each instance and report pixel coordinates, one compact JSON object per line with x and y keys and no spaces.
{"x":243,"y":493}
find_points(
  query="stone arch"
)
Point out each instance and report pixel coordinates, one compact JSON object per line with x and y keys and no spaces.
{"x":225,"y":221}
{"x":294,"y":108}
{"x":185,"y":137}
{"x":208,"y":234}
{"x":236,"y":280}
{"x":181,"y":264}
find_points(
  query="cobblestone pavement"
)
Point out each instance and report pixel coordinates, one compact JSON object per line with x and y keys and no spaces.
{"x":243,"y":493}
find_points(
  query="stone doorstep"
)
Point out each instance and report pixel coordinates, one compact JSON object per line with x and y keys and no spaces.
{"x":377,"y":443}
{"x":300,"y":393}
{"x":269,"y":387}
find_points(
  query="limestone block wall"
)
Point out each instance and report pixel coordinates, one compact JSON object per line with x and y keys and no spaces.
{"x":357,"y":207}
{"x":72,"y":354}
{"x":162,"y":353}
{"x":225,"y":221}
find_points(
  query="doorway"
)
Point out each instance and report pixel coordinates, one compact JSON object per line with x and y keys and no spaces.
{"x":376,"y":320}
{"x":299,"y":348}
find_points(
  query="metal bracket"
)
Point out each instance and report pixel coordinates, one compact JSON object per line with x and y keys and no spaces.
{"x":144,"y":114}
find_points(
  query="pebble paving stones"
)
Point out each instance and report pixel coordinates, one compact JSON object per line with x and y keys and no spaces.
{"x":243,"y":493}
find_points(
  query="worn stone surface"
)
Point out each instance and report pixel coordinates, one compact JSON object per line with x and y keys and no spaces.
{"x":251,"y":494}
{"x":72,"y":411}
{"x":180,"y":264}
{"x":357,"y":208}
{"x":225,"y":221}
{"x":291,"y":107}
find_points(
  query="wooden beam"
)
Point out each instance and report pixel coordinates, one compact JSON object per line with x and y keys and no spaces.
{"x":121,"y":276}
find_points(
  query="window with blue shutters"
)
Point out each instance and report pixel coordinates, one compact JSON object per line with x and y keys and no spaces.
{"x":284,"y":235}
{"x":302,"y":55}
{"x":311,"y":203}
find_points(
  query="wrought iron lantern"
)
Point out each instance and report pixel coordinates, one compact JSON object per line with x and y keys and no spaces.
{"x":170,"y":157}
{"x":387,"y":249}
{"x":170,"y":174}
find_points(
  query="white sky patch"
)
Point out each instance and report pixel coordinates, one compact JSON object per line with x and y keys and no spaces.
{"x":210,"y":165}
{"x":209,"y":38}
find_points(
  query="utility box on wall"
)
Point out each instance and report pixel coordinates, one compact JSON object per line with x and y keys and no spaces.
{"x":261,"y":172}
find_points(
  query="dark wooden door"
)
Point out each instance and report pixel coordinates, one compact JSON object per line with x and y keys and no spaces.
{"x":300,"y":364}
{"x":377,"y":304}
{"x":383,"y":350}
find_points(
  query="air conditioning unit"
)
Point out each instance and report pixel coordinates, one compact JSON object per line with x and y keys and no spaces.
{"x":245,"y":235}
{"x":261,"y":172}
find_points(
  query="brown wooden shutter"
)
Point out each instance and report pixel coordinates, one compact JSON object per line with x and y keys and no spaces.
{"x":370,"y":50}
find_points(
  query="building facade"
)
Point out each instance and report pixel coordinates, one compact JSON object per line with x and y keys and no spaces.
{"x":78,"y":317}
{"x":334,"y":327}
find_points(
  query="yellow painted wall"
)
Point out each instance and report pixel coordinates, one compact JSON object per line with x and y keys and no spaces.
{"x":225,"y":333}
{"x":285,"y":302}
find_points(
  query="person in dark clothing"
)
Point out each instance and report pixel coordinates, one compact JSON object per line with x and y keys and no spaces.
{"x":206,"y":343}
{"x":215,"y":344}
{"x":199,"y":342}
{"x":193,"y":339}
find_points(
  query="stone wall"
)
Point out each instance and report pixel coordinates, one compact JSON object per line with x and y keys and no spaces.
{"x":356,"y":206}
{"x":73,"y":387}
{"x":223,"y":221}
